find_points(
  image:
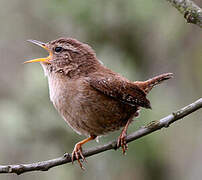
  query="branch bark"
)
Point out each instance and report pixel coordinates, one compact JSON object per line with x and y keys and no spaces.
{"x":192,"y":12}
{"x":66,"y":158}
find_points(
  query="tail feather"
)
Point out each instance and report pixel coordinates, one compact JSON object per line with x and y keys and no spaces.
{"x":146,"y":86}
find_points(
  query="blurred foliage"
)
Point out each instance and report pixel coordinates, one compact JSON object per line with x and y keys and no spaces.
{"x":138,"y":39}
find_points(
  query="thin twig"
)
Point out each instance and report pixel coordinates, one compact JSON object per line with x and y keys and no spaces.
{"x":192,"y":12}
{"x":153,"y":126}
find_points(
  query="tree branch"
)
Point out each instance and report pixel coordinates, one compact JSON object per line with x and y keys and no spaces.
{"x":192,"y":13}
{"x":151,"y":127}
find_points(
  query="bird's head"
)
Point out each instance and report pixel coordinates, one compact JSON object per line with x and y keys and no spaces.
{"x":64,"y":53}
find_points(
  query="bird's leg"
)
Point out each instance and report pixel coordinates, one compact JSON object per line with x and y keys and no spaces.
{"x":122,"y":138}
{"x":77,"y":152}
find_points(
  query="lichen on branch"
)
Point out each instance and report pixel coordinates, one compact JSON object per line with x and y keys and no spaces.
{"x":192,"y":12}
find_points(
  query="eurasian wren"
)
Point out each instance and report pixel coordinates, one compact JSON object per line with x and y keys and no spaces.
{"x":91,"y":98}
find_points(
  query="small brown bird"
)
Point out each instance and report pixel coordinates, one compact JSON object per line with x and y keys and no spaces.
{"x":91,"y":98}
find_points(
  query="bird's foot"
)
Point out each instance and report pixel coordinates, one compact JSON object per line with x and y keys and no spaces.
{"x":77,"y":153}
{"x":122,"y":142}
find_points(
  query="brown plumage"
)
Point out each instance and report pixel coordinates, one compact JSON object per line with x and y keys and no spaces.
{"x":91,"y":98}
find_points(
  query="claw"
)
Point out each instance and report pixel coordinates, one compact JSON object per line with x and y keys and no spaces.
{"x":77,"y":153}
{"x":122,"y":138}
{"x":122,"y":142}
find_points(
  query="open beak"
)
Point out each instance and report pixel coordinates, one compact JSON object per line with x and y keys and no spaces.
{"x":43,"y":45}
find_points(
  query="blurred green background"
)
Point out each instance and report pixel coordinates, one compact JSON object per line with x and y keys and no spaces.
{"x":136,"y":38}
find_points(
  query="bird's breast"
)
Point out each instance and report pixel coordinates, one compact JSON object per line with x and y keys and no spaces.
{"x":66,"y":97}
{"x":85,"y":109}
{"x":59,"y":92}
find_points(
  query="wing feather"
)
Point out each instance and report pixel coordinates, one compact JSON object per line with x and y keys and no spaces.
{"x":124,"y":91}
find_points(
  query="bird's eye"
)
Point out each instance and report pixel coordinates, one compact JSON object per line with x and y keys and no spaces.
{"x":58,"y":49}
